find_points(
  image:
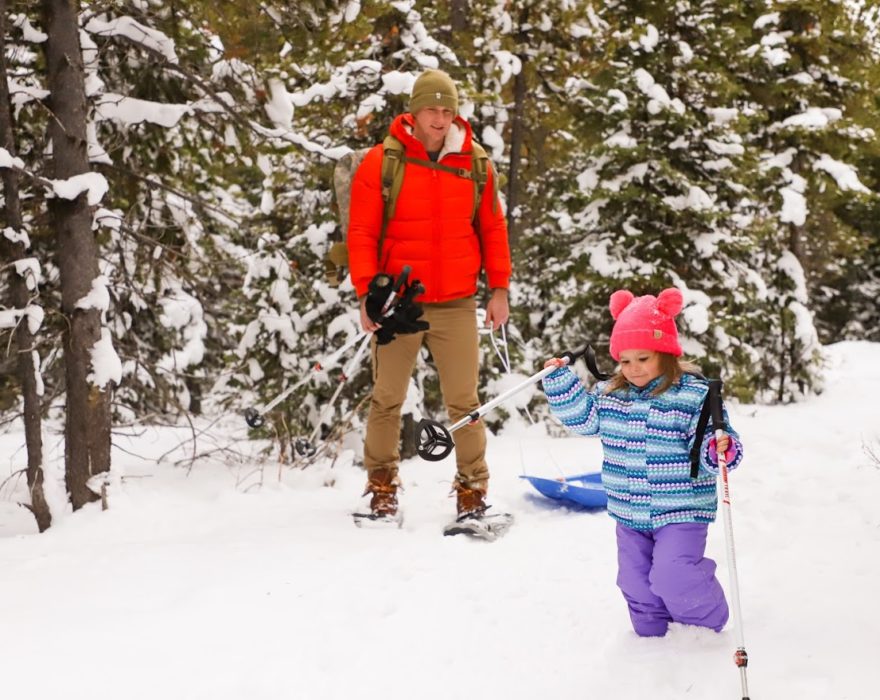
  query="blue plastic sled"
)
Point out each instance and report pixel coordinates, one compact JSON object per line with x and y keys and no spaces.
{"x":583,"y":489}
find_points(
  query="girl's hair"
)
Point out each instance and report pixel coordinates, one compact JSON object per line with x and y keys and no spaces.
{"x":671,"y":369}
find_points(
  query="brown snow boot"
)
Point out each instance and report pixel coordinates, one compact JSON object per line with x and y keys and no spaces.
{"x":470,"y":498}
{"x":382,"y":484}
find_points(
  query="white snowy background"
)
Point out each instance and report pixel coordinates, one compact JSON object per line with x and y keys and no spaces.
{"x":200,"y":583}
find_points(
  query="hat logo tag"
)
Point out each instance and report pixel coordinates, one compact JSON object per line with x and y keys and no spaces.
{"x":437,"y":94}
{"x":658,"y":334}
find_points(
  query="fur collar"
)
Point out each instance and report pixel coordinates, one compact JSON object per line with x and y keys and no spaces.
{"x":454,"y":141}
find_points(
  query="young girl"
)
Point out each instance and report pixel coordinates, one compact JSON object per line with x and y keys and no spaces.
{"x":646,"y":416}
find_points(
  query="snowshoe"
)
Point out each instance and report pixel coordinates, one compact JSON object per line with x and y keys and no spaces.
{"x":378,"y":521}
{"x":480,"y":525}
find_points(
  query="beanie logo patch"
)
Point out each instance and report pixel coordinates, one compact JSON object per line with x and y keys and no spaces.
{"x":437,"y":95}
{"x":658,"y":334}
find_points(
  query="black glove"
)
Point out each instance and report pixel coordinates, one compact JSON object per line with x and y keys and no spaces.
{"x":377,"y":296}
{"x":404,"y":320}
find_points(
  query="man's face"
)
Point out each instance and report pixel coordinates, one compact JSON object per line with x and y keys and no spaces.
{"x":432,"y":125}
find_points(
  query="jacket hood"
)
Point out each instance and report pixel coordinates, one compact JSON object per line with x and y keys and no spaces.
{"x":458,"y":138}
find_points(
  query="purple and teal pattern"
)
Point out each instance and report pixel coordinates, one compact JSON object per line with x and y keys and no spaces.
{"x":646,"y":442}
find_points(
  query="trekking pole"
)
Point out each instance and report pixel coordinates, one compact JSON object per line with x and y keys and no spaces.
{"x":435,"y":440}
{"x":305,"y":447}
{"x":740,"y":658}
{"x":255,"y":416}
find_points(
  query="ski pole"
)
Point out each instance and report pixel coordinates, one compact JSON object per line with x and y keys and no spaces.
{"x":435,"y":440}
{"x":305,"y":447}
{"x":740,"y":658}
{"x":255,"y":416}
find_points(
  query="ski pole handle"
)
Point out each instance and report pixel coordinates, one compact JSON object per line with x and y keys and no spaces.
{"x":394,"y":292}
{"x":715,"y":405}
{"x":402,"y":278}
{"x":590,"y":361}
{"x":572,"y":355}
{"x":589,"y":356}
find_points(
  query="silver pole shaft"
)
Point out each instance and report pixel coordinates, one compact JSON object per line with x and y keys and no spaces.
{"x":346,"y":373}
{"x":723,"y":489}
{"x":319,"y":365}
{"x":474,"y":416}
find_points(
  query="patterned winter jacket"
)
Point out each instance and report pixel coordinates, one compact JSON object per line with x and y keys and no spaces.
{"x":646,"y":442}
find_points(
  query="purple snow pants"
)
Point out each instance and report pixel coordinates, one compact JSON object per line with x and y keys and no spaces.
{"x":665,"y":578}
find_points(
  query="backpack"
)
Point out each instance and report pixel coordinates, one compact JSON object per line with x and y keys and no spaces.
{"x":394,"y":160}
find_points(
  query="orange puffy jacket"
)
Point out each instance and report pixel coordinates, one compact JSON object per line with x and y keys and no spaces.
{"x":431,"y":229}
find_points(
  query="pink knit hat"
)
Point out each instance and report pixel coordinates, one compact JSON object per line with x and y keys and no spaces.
{"x":645,"y":323}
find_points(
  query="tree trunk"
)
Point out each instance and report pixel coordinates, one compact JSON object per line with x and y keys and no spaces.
{"x":87,"y":428}
{"x":20,"y":298}
{"x":517,"y":133}
{"x":408,"y":438}
{"x":458,"y":15}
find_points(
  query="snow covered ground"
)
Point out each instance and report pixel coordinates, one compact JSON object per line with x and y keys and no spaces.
{"x":194,"y":585}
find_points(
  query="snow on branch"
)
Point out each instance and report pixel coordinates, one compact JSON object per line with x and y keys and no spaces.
{"x":136,"y":32}
{"x":106,"y":365}
{"x":98,"y":297}
{"x":334,"y":153}
{"x":508,"y":63}
{"x":794,"y":206}
{"x":94,"y":184}
{"x":352,"y":10}
{"x":812,"y":118}
{"x":846,"y":176}
{"x":22,"y":94}
{"x":696,"y":199}
{"x":29,"y":269}
{"x":658,"y":98}
{"x":9,"y":318}
{"x":338,"y":84}
{"x":7,"y":160}
{"x":130,"y":110}
{"x":28,"y":32}
{"x":184,"y":313}
{"x":416,"y":37}
{"x":17,"y":237}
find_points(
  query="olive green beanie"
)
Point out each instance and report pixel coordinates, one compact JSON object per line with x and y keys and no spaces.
{"x":433,"y":88}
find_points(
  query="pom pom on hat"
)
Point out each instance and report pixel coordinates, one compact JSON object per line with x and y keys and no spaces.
{"x":670,"y":301}
{"x":619,"y":301}
{"x":645,"y":323}
{"x":433,"y":88}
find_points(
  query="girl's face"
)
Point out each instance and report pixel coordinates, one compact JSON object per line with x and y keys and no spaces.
{"x":640,"y":367}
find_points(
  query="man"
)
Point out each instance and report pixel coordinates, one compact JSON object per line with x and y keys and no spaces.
{"x":434,"y":231}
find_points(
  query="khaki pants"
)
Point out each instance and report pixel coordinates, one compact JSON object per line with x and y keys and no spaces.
{"x":454,"y":344}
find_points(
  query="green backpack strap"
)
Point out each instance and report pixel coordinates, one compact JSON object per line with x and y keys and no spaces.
{"x":393,"y":161}
{"x":478,"y":174}
{"x":480,"y":168}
